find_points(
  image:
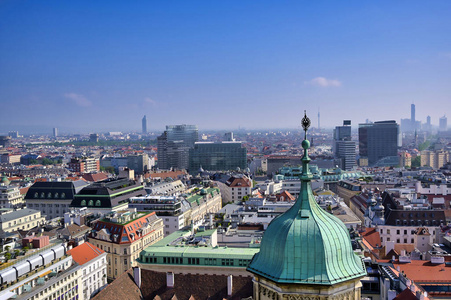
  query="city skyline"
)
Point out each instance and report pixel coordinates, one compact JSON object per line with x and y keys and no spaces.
{"x":86,"y":68}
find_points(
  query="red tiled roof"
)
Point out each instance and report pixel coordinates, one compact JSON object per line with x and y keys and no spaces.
{"x":406,"y":295}
{"x":124,"y":230}
{"x":286,"y":196}
{"x":408,"y":247}
{"x":94,"y":177}
{"x":425,"y":272}
{"x":239,"y":182}
{"x":85,"y":253}
{"x":23,"y":191}
{"x":123,"y":287}
{"x":372,"y":237}
{"x":188,"y":286}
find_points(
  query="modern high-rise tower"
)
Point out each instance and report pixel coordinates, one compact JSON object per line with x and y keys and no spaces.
{"x":174,"y":144}
{"x":55,"y":132}
{"x":443,"y":124}
{"x":344,"y":148}
{"x":412,"y":115}
{"x":379,"y":140}
{"x":144,"y":125}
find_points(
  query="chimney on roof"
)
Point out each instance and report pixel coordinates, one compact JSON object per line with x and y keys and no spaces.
{"x":170,"y":279}
{"x":389,"y":245}
{"x":391,"y":295}
{"x":229,"y":285}
{"x":137,"y":276}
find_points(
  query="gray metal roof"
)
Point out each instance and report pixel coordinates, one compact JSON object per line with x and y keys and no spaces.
{"x":17,"y":214}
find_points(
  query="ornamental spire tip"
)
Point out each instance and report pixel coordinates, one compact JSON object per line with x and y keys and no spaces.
{"x":305,"y":124}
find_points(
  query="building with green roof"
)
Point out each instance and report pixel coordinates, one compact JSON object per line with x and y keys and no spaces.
{"x":306,"y":252}
{"x":185,"y":252}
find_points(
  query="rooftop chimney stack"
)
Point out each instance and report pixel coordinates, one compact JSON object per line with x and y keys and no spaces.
{"x":170,"y":279}
{"x":229,"y":285}
{"x":137,"y":276}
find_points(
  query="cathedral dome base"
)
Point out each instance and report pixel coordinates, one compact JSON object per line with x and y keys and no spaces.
{"x":265,"y":289}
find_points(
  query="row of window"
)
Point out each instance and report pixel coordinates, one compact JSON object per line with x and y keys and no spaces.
{"x":197,"y":261}
{"x":398,"y":231}
{"x":419,"y":222}
{"x":50,"y":196}
{"x":90,"y":203}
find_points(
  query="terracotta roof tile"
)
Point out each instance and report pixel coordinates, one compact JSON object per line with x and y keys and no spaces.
{"x":123,"y":287}
{"x":425,"y":272}
{"x":199,"y":287}
{"x":85,"y":253}
{"x":372,"y":237}
{"x":406,"y":295}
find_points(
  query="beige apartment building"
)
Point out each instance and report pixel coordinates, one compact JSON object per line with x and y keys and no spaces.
{"x":22,"y":219}
{"x":123,"y":235}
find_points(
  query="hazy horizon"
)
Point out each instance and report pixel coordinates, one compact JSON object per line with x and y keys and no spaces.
{"x":222,"y":65}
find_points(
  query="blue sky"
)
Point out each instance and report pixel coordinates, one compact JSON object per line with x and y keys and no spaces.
{"x":92,"y":65}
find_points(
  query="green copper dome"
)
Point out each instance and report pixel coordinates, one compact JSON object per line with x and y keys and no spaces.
{"x":306,"y":244}
{"x":5,"y":180}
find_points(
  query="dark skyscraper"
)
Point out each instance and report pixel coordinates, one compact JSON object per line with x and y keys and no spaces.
{"x":412,"y":115}
{"x":344,"y":148}
{"x":379,"y":140}
{"x":174,"y":145}
{"x":144,"y":125}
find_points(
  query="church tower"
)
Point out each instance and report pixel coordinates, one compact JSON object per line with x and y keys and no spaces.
{"x":306,"y":253}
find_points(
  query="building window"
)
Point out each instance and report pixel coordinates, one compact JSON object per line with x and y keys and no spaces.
{"x":83,"y":203}
{"x":90,"y":203}
{"x":98,"y":203}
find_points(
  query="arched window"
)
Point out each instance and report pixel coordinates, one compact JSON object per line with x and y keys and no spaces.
{"x":90,"y":203}
{"x":63,"y":195}
{"x":42,"y":195}
{"x":36,"y":195}
{"x":83,"y":203}
{"x":56,"y":195}
{"x":49,"y":195}
{"x":98,"y":203}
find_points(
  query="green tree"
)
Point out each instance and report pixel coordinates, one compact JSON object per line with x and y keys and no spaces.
{"x":416,"y":162}
{"x":7,"y":248}
{"x":16,"y":252}
{"x":424,"y":146}
{"x":7,"y":256}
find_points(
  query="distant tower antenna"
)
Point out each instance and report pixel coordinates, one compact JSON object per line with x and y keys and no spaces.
{"x":318,"y":120}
